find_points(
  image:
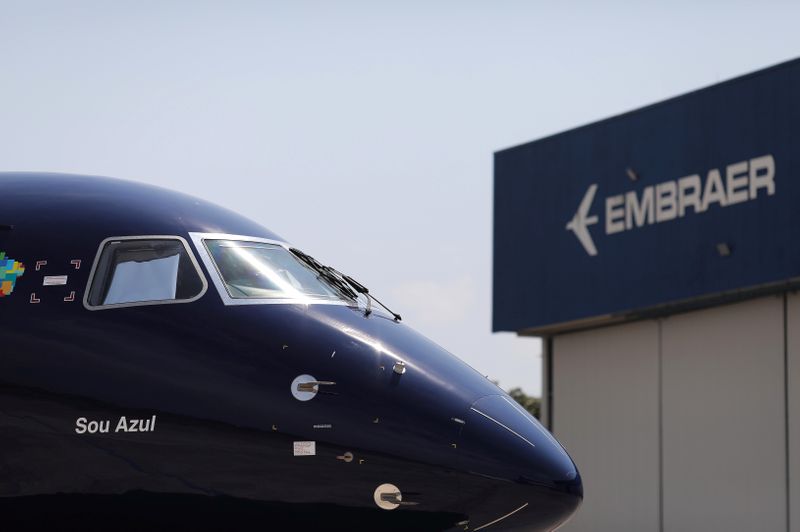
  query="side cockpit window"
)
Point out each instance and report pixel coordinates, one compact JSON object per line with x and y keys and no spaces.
{"x":134,"y":271}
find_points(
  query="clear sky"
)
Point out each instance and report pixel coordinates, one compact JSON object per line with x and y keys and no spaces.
{"x":363,"y":132}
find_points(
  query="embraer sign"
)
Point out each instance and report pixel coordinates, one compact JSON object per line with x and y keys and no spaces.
{"x":680,"y":203}
{"x":736,"y":183}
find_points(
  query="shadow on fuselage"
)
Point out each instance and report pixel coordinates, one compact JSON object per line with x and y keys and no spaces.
{"x":147,"y":511}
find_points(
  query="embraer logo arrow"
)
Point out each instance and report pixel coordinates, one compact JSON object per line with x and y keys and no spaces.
{"x":580,"y":222}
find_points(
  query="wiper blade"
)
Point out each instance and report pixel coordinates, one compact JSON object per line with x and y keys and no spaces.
{"x":326,"y":272}
{"x":308,"y":259}
{"x":334,"y":277}
{"x":344,"y":283}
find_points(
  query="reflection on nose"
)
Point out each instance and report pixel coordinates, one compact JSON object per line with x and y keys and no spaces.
{"x":502,"y":441}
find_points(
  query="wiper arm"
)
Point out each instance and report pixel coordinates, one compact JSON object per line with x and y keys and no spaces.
{"x":344,"y":283}
{"x":360,"y":288}
{"x":334,"y":277}
{"x":308,"y":259}
{"x":328,"y":273}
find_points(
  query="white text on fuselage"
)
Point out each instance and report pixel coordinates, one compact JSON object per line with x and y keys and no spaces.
{"x":124,"y":424}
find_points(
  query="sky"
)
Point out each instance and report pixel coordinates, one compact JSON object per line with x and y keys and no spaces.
{"x":363,"y":132}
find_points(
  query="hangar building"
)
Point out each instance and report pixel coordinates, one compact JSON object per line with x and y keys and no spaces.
{"x":657,"y":254}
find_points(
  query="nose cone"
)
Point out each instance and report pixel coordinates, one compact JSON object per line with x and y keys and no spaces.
{"x":533,"y":475}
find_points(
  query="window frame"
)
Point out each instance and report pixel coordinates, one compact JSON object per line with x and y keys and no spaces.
{"x":99,"y":254}
{"x":198,"y":239}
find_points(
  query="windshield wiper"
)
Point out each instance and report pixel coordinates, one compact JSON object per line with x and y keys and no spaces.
{"x":327,"y":273}
{"x":360,"y":288}
{"x":344,"y":283}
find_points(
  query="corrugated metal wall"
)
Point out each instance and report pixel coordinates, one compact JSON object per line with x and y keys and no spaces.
{"x":680,"y":424}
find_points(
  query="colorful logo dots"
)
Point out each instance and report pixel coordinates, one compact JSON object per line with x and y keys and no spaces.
{"x":10,"y":271}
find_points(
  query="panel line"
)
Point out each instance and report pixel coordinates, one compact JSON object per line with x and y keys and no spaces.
{"x":503,"y":517}
{"x":512,"y":431}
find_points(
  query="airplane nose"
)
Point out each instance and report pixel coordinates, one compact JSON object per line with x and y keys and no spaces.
{"x":526,"y":477}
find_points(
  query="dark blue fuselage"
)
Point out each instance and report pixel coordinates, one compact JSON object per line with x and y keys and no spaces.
{"x":220,"y":454}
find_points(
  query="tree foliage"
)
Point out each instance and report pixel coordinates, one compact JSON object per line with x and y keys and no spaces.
{"x":529,"y":403}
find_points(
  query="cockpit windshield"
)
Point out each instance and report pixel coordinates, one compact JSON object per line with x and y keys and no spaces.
{"x":258,"y":270}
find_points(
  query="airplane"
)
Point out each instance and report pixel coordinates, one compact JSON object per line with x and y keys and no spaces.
{"x":580,"y":222}
{"x":167,"y":364}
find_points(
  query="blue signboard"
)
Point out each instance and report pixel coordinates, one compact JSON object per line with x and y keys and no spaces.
{"x":689,"y":198}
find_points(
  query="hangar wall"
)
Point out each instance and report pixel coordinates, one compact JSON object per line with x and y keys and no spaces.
{"x":681,"y":422}
{"x":724,"y":430}
{"x":793,"y":400}
{"x":616,"y":369}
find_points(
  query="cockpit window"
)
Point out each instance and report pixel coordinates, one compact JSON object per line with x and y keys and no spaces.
{"x":144,"y":271}
{"x":260,"y":270}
